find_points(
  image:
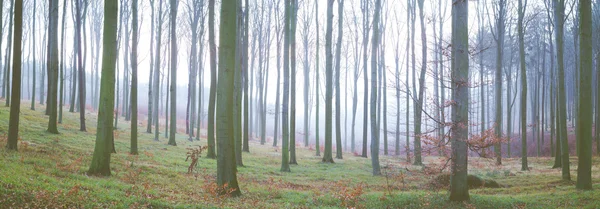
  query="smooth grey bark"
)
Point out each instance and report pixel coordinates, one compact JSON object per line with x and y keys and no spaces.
{"x":374,"y":68}
{"x":134,"y":81}
{"x":327,"y":155}
{"x":157,"y":65}
{"x":151,"y":84}
{"x":293,"y":22}
{"x":226,"y":165}
{"x":559,"y":10}
{"x":366,"y":30}
{"x":418,"y":107}
{"x":213,"y":80}
{"x":285,"y":166}
{"x":338,"y":61}
{"x":81,"y":73}
{"x":459,"y":190}
{"x":13,"y":133}
{"x":523,"y":66}
{"x":173,"y":125}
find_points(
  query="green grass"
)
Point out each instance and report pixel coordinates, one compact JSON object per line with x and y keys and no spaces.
{"x":50,"y":171}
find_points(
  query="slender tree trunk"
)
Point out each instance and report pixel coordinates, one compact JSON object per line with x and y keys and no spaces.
{"x":327,"y":156}
{"x":15,"y":108}
{"x":338,"y":61}
{"x":523,"y":111}
{"x":34,"y":71}
{"x":151,"y":84}
{"x":53,"y":71}
{"x":62,"y":64}
{"x":419,"y":105}
{"x":81,"y":71}
{"x":366,"y":25}
{"x":500,"y":26}
{"x":285,"y":167}
{"x":559,"y":9}
{"x":134,"y":80}
{"x":317,"y":143}
{"x":293,"y":21}
{"x":374,"y":124}
{"x":213,"y":80}
{"x":157,"y":73}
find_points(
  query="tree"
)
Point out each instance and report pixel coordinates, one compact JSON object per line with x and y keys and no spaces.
{"x":317,"y":143}
{"x":157,"y":65}
{"x":53,"y":71}
{"x":418,"y":107}
{"x":34,"y":81}
{"x":226,"y":166}
{"x":245,"y":68}
{"x":293,"y":22}
{"x":102,"y":150}
{"x":584,"y":116}
{"x":173,"y":128}
{"x":81,"y":71}
{"x":62,"y":64}
{"x":6,"y":84}
{"x":559,"y":13}
{"x":151,"y":84}
{"x":365,"y":10}
{"x":134,"y":80}
{"x":338,"y":64}
{"x":523,"y":66}
{"x":213,"y":80}
{"x":374,"y":124}
{"x":459,"y":190}
{"x":500,"y":27}
{"x":15,"y":107}
{"x":327,"y":156}
{"x":285,"y":166}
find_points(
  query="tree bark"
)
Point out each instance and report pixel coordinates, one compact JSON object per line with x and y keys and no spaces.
{"x":459,"y":190}
{"x":15,"y":108}
{"x":101,"y":159}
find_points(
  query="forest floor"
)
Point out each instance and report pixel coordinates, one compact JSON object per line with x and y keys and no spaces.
{"x":49,"y":171}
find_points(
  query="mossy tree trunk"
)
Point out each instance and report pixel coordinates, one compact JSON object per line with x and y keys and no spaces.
{"x":134,"y":81}
{"x":226,"y":166}
{"x":15,"y":108}
{"x":101,"y":159}
{"x":584,"y":116}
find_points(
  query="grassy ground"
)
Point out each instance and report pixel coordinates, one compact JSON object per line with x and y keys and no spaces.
{"x":49,"y":171}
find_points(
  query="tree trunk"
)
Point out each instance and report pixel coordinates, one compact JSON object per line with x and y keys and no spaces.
{"x":366,"y":25}
{"x":81,"y":70}
{"x":293,"y":21}
{"x":134,"y":80}
{"x":338,"y":61}
{"x":157,"y":74}
{"x":52,"y":105}
{"x":419,"y":103}
{"x":523,"y":111}
{"x":374,"y":59}
{"x":317,"y":143}
{"x":584,"y":118}
{"x":151,"y":84}
{"x":559,"y":9}
{"x":459,"y":190}
{"x":285,"y":166}
{"x":101,"y":159}
{"x":327,"y":156}
{"x":15,"y":108}
{"x":213,"y":80}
